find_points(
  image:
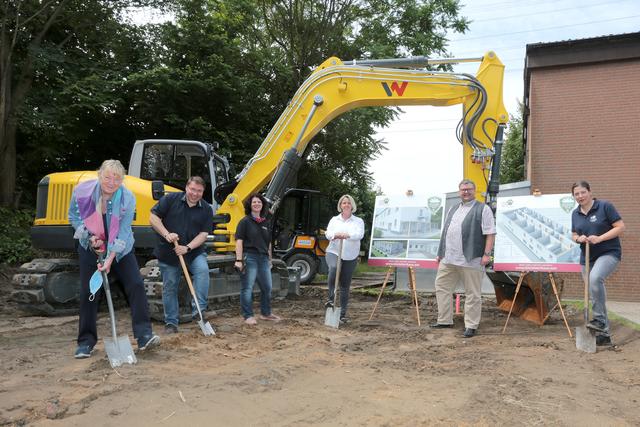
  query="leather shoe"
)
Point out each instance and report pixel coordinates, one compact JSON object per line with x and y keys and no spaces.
{"x":468,"y":333}
{"x":440,"y":325}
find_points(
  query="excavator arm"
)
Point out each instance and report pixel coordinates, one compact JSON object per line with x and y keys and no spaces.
{"x":336,"y":87}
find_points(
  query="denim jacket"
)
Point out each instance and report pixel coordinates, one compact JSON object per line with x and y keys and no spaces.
{"x":123,"y":243}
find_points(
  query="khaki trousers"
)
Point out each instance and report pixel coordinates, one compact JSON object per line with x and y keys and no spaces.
{"x":446,"y":280}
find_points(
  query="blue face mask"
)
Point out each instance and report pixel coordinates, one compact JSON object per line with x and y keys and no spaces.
{"x":95,"y":284}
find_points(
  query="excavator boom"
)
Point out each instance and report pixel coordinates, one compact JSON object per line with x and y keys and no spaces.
{"x":335,"y":87}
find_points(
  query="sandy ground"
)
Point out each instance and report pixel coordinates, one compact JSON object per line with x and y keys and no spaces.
{"x":298,"y":372}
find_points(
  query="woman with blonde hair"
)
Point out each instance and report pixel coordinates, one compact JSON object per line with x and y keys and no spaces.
{"x":349,"y":229}
{"x":101,"y":212}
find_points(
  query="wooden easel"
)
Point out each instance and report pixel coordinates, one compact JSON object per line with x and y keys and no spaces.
{"x":555,"y":292}
{"x":412,"y":288}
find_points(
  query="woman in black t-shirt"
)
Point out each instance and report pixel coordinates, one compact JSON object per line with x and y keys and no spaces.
{"x":253,"y":258}
{"x":597,"y":223}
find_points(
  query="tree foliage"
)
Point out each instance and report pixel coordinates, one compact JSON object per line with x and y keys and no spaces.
{"x":92,"y":82}
{"x":512,"y":165}
{"x":62,"y":63}
{"x":15,"y":242}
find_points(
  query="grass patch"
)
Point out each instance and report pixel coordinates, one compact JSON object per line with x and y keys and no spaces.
{"x":363,"y":267}
{"x":374,"y":292}
{"x":579,"y":305}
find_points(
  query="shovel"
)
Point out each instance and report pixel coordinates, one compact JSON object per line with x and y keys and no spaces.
{"x":118,"y":348}
{"x":585,"y":339}
{"x":332,"y":315}
{"x":206,"y":327}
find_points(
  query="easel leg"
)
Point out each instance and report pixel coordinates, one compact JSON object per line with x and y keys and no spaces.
{"x":555,"y":291}
{"x":549,"y":313}
{"x":513,"y":302}
{"x":384,"y":284}
{"x":412,"y":281}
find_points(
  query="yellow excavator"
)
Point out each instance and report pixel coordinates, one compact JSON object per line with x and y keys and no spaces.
{"x":333,"y":88}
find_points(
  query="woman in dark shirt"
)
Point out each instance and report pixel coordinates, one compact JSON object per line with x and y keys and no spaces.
{"x":253,"y":258}
{"x":598,"y":223}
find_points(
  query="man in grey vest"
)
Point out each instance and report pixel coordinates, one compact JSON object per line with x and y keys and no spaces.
{"x":465,"y":248}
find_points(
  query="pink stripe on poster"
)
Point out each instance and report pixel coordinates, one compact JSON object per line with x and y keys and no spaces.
{"x":537,"y":266}
{"x":416,"y":263}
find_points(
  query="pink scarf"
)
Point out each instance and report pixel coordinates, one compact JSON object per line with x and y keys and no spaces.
{"x":91,"y":216}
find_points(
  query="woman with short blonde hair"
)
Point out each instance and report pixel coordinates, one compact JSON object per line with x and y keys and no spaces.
{"x":354,"y":206}
{"x":348,"y":229}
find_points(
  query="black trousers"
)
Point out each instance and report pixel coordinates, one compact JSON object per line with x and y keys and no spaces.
{"x":346,"y":272}
{"x":128,"y":273}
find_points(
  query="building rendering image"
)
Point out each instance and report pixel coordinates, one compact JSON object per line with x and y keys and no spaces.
{"x":423,"y":249}
{"x":389,"y":248}
{"x":539,"y":237}
{"x":404,"y":222}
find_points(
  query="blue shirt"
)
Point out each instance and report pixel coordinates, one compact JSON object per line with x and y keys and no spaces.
{"x":596,"y":222}
{"x":123,"y":243}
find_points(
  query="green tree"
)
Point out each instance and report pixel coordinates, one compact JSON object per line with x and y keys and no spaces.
{"x":512,"y":165}
{"x":222,"y":70}
{"x":205,"y":84}
{"x":226,"y":70}
{"x":303,"y":33}
{"x":49,"y":46}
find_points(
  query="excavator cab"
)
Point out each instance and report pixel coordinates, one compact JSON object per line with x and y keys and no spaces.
{"x":174,"y":161}
{"x":298,"y":231}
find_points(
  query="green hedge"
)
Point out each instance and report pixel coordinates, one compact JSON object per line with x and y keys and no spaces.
{"x":15,"y":243}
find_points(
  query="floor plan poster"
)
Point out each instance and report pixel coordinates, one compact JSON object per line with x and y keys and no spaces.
{"x":406,"y":231}
{"x":534,"y":234}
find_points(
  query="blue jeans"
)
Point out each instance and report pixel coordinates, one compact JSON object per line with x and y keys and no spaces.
{"x":600,"y":270}
{"x":256,"y":267}
{"x":171,"y":275}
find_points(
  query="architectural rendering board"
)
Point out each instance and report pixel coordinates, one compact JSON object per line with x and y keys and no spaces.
{"x":534,"y":234}
{"x":406,"y":230}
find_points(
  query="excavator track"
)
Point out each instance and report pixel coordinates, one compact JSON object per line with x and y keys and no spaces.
{"x":51,"y":287}
{"x":224,"y":283}
{"x":48,"y":287}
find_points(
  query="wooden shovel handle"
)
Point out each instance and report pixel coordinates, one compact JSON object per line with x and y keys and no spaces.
{"x":587,"y":261}
{"x":336,"y":283}
{"x":186,"y":276}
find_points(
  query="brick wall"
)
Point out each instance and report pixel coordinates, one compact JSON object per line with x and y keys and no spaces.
{"x":584,"y":124}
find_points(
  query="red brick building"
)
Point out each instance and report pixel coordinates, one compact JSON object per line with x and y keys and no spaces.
{"x":582,"y":121}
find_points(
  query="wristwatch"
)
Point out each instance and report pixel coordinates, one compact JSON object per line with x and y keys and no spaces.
{"x":487,"y":254}
{"x":188,"y":248}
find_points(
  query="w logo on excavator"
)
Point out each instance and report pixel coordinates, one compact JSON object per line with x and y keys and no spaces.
{"x":395,"y":87}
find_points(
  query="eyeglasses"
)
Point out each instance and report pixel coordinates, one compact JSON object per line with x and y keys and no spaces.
{"x":467,"y":190}
{"x":112,"y":179}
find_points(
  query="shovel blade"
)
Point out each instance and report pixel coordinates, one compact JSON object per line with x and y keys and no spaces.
{"x":585,"y":340}
{"x":332,"y":317}
{"x":119,"y":351}
{"x":206,"y":328}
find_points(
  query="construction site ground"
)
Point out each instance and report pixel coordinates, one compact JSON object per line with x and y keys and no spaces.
{"x":298,"y":372}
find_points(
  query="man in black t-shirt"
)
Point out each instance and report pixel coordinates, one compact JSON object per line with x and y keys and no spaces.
{"x":185,"y":218}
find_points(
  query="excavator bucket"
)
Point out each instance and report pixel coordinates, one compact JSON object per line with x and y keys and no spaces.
{"x":534,"y":301}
